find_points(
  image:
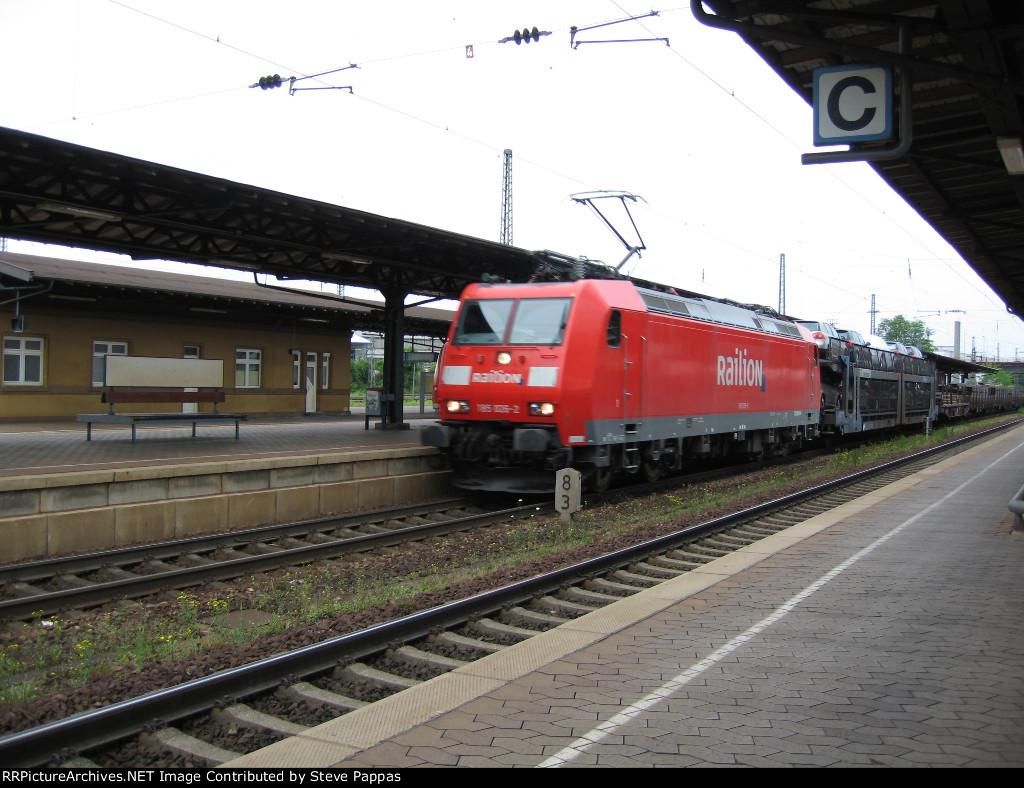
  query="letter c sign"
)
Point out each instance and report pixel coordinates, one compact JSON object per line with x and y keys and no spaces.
{"x":852,"y":104}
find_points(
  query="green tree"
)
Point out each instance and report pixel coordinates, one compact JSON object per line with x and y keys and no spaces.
{"x":360,"y":373}
{"x":909,"y":332}
{"x":1000,"y":377}
{"x":360,"y":376}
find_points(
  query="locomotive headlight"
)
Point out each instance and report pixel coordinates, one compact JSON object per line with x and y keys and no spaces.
{"x":542,"y":409}
{"x":457,"y":406}
{"x":504,"y":358}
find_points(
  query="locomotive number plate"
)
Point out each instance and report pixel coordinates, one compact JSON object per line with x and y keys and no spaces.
{"x":483,"y":408}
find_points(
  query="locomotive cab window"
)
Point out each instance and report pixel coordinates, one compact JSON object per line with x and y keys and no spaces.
{"x":528,"y":321}
{"x":615,"y":328}
{"x":539,"y":321}
{"x":484,"y":322}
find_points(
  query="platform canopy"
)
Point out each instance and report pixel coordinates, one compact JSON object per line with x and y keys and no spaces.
{"x":59,"y":193}
{"x":963,"y":170}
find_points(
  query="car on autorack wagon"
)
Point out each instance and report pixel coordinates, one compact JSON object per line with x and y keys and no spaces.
{"x":829,"y":344}
{"x":856,"y":347}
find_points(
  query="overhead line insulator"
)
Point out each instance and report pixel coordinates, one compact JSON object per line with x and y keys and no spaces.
{"x":525,"y":36}
{"x":272,"y":81}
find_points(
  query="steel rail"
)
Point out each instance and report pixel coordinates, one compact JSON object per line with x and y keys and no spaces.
{"x":27,"y":571}
{"x":142,"y":585}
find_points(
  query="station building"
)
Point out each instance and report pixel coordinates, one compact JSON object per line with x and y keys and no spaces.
{"x":285,"y":351}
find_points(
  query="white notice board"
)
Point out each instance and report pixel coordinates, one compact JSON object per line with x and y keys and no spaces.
{"x":154,"y":372}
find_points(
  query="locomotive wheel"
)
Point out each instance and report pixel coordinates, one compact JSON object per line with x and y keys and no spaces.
{"x":651,"y":470}
{"x":601,"y":479}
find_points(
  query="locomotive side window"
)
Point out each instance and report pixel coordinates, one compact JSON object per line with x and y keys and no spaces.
{"x":540,"y":321}
{"x":615,"y":329}
{"x":484,"y":322}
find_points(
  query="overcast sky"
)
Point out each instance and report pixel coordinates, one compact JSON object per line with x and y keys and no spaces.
{"x":700,"y":129}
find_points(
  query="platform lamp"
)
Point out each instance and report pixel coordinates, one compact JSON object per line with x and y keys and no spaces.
{"x":1012,"y":151}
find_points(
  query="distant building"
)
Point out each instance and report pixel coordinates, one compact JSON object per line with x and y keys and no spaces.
{"x":284,"y":351}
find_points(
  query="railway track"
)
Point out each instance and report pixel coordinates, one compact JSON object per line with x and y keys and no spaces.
{"x":38,"y":588}
{"x":214,"y":719}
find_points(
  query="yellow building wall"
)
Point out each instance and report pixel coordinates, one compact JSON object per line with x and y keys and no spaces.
{"x":68,"y":355}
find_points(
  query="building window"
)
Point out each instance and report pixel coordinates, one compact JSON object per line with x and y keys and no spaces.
{"x":296,"y":368}
{"x":325,"y":370}
{"x":23,"y":360}
{"x":101,"y":349}
{"x":248,"y":363}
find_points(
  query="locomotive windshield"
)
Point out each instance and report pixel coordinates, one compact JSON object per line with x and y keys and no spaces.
{"x":506,"y":321}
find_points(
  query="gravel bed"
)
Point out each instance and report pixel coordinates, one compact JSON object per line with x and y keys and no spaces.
{"x":230,"y":736}
{"x":357,"y":689}
{"x":452,"y":651}
{"x":131,"y":755}
{"x":399,"y":667}
{"x":297,"y":711}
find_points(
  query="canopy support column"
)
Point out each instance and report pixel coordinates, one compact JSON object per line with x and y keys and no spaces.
{"x":394,"y":361}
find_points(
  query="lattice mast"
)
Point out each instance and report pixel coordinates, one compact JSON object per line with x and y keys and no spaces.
{"x":782,"y":284}
{"x":506,"y":201}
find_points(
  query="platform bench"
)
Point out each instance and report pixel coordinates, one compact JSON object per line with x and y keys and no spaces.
{"x":148,"y":380}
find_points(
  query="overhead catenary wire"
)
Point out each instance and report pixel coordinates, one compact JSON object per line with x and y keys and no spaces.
{"x":720,"y":234}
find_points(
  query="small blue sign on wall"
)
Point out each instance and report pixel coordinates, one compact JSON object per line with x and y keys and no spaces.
{"x":852,"y":104}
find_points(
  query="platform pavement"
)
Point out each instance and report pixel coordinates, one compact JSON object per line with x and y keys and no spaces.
{"x":52,"y":447}
{"x":63,"y":494}
{"x":887,"y":632}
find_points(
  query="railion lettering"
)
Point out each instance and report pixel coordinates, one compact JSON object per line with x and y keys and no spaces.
{"x":739,"y":370}
{"x":497,"y":376}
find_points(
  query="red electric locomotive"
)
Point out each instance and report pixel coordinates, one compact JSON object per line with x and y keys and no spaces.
{"x":606,"y":376}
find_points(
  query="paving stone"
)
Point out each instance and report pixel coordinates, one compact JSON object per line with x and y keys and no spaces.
{"x":616,"y":760}
{"x":808,"y":759}
{"x":854,"y":736}
{"x":648,"y":744}
{"x":714,"y":735}
{"x":425,"y":736}
{"x":482,"y":738}
{"x":466,"y":750}
{"x":914,"y":744}
{"x":477,"y":762}
{"x":917,"y":758}
{"x":706,"y":755}
{"x":438,"y":756}
{"x":675,"y":730}
{"x":532,"y":759}
{"x":864,"y":748}
{"x":676,"y":761}
{"x":498,"y":721}
{"x":387,"y":753}
{"x":735,"y":749}
{"x":995,"y":757}
{"x":758,"y":761}
{"x":819,"y":740}
{"x":462,"y":720}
